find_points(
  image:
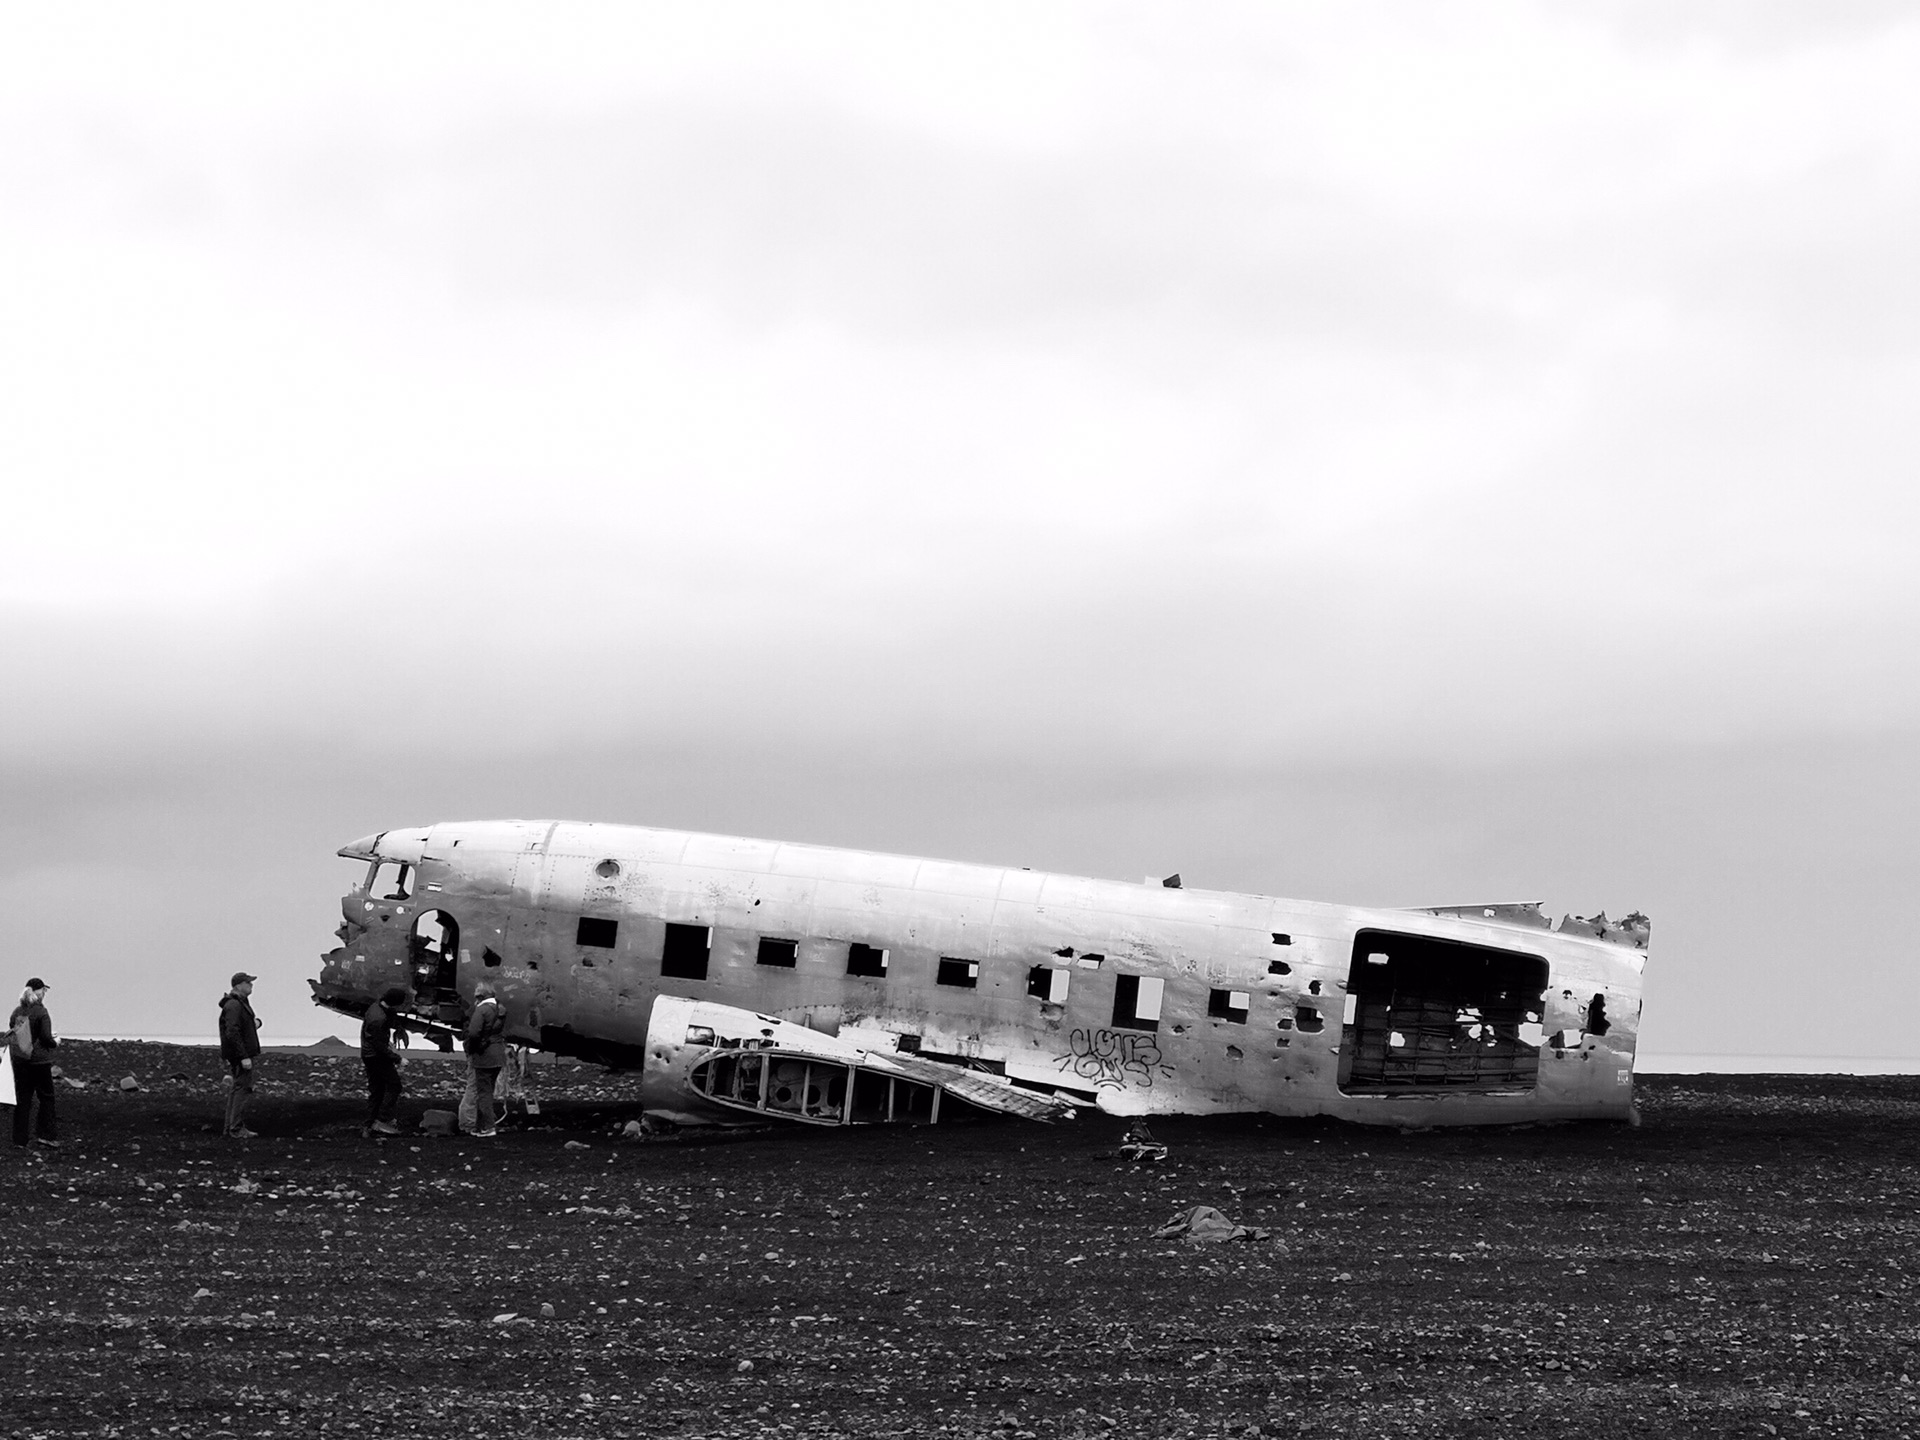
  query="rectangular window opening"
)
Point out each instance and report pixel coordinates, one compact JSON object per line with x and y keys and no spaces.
{"x":868,"y":960}
{"x":782,"y":954}
{"x":1136,"y":1001}
{"x":685,"y":954}
{"x":963,"y":973}
{"x":1231,"y":1005}
{"x":1049,"y":983}
{"x":600,"y":934}
{"x":1431,"y":1014}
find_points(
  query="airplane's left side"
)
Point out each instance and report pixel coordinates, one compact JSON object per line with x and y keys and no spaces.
{"x":746,"y":979}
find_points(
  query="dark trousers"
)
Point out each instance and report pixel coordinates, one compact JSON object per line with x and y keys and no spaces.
{"x":32,"y":1083}
{"x":239,"y":1092}
{"x":383,"y":1087}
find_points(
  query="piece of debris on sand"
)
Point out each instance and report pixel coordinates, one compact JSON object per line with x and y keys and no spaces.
{"x":1204,"y":1225}
{"x":1138,"y":1144}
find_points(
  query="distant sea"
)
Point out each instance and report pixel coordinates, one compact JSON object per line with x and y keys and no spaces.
{"x":1646,"y":1063}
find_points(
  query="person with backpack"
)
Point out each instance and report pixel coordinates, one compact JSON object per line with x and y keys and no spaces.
{"x":486,"y":1053}
{"x":378,"y":1027}
{"x":30,"y":1047}
{"x":240,"y":1048}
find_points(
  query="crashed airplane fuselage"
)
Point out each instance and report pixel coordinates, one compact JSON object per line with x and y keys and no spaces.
{"x":747,"y":978}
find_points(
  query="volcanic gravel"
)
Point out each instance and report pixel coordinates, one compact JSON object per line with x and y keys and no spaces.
{"x":1740,"y":1264}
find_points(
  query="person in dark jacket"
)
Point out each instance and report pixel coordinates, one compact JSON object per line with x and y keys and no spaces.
{"x":378,"y":1027}
{"x":240,"y":1048}
{"x":33,"y":1072}
{"x":486,"y":1053}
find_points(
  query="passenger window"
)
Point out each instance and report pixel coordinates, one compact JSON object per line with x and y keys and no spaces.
{"x":868,"y":960}
{"x":1049,"y":983}
{"x":778,"y":953}
{"x":963,"y":973}
{"x":600,"y":934}
{"x":1136,"y":1002}
{"x":685,"y":955}
{"x":1229,"y":1005}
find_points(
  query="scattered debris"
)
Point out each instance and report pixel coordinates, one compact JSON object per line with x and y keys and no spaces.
{"x":575,"y":1145}
{"x":546,"y":1311}
{"x":202,"y":1293}
{"x":128,"y":1084}
{"x":439,"y":1122}
{"x":1138,"y":1144}
{"x":1204,"y":1225}
{"x":745,"y":1367}
{"x":506,"y":1317}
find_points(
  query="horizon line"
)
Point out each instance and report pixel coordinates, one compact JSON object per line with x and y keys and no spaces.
{"x":1657,"y":1063}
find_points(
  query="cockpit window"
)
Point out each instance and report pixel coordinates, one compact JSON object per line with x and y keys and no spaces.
{"x":389,"y":880}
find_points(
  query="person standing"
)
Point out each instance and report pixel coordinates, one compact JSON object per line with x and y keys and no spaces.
{"x":378,"y":1027}
{"x":33,"y":1066}
{"x":240,"y":1048}
{"x":486,"y":1053}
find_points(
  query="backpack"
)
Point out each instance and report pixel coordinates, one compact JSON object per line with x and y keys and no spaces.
{"x":23,"y":1036}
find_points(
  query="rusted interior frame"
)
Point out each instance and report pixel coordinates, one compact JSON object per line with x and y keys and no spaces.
{"x":1439,"y":1014}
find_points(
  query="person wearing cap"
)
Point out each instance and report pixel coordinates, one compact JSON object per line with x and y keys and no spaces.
{"x":486,"y":1053}
{"x":378,"y":1027}
{"x":240,"y":1048}
{"x":33,"y":1070}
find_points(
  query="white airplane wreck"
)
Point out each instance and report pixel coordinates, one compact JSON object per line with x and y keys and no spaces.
{"x":748,"y":980}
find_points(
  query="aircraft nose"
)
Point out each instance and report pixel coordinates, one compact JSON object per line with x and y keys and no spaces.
{"x":342,"y":978}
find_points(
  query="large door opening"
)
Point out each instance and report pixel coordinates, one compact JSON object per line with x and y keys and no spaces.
{"x":433,"y":956}
{"x":1433,"y":1014}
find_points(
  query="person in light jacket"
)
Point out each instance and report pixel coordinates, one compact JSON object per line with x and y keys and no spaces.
{"x":486,"y":1053}
{"x":33,"y":1071}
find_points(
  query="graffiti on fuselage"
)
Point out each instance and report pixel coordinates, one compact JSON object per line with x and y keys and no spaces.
{"x":1113,"y":1059}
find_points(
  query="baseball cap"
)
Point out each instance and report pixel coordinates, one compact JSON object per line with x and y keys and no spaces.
{"x":240,"y":975}
{"x":37,"y":984}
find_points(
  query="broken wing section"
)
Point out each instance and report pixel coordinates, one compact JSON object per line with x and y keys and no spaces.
{"x":708,"y":1063}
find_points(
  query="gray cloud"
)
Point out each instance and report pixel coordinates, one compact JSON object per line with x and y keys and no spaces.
{"x":774,"y":214}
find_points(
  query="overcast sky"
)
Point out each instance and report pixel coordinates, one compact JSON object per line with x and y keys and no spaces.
{"x":1365,"y":452}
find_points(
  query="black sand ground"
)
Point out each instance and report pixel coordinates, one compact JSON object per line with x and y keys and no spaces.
{"x":1741,"y":1264}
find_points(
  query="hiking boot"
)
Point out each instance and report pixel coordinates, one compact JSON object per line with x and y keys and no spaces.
{"x":50,"y":1144}
{"x":243,"y":1134}
{"x":383,"y":1127}
{"x":486,"y":1134}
